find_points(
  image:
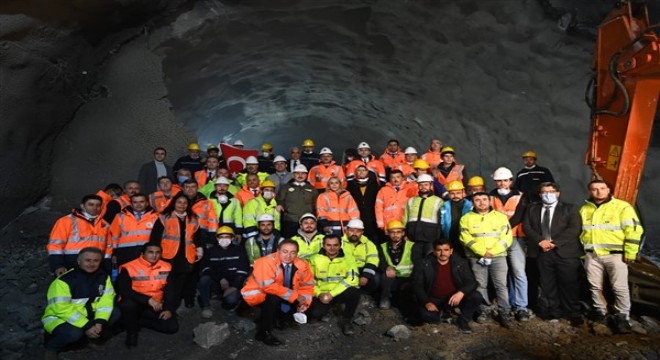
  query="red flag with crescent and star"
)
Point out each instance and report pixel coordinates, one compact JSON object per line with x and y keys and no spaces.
{"x":235,"y":158}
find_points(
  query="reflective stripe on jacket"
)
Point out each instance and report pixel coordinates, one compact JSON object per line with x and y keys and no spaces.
{"x":333,"y":275}
{"x":336,"y":210}
{"x":320,"y":174}
{"x":365,"y":254}
{"x":172,"y":237}
{"x":612,"y":226}
{"x":148,"y":279}
{"x":391,"y":204}
{"x":73,"y":232}
{"x":405,"y":267}
{"x":267,"y":277}
{"x":127,"y":231}
{"x":487,"y":232}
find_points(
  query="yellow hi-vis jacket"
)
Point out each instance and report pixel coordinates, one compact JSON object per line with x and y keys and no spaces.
{"x":365,"y":254}
{"x":487,"y":232}
{"x":333,"y":275}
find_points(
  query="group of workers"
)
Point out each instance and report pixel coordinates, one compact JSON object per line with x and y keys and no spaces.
{"x":299,"y":236}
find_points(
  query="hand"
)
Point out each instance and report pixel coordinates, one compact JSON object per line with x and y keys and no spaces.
{"x":488,"y":254}
{"x":165,"y":315}
{"x":59,"y":271}
{"x":302,"y":303}
{"x":431,"y":307}
{"x":279,"y":208}
{"x":363,"y":281}
{"x":155,"y":304}
{"x":546,"y":245}
{"x":325,"y":298}
{"x":94,"y":332}
{"x":224,"y":284}
{"x":390,"y":272}
{"x":455,"y":299}
{"x":199,"y":254}
{"x":628,"y":261}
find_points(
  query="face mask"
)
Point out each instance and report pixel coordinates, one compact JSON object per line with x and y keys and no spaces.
{"x":503,"y":191}
{"x":88,"y":215}
{"x":267,"y":195}
{"x":224,"y":242}
{"x":266,"y":154}
{"x":222,"y":199}
{"x":182,"y":178}
{"x":363,"y":181}
{"x":549,"y":198}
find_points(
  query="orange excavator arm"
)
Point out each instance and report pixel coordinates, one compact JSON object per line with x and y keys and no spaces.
{"x":623,"y":96}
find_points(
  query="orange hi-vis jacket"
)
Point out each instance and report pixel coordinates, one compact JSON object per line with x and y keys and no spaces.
{"x":245,"y":194}
{"x":74,"y":232}
{"x":432,"y":158}
{"x":124,"y":201}
{"x":202,"y":177}
{"x":392,"y":161}
{"x":159,"y":201}
{"x":335,"y":210}
{"x":456,"y":173}
{"x":509,"y":209}
{"x":267,"y":278}
{"x":205,"y":211}
{"x":148,"y":279}
{"x":320,"y":174}
{"x":405,"y":168}
{"x":390,"y":203}
{"x":374,"y":165}
{"x":105,"y":200}
{"x":172,"y":237}
{"x":127,"y":231}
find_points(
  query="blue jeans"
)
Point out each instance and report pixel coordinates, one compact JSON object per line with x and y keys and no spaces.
{"x":517,"y":276}
{"x":67,"y":334}
{"x":497,"y":271}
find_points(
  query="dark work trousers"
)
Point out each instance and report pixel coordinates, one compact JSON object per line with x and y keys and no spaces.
{"x":270,"y":311}
{"x":468,"y":306}
{"x":560,"y":284}
{"x":420,"y":250}
{"x":67,"y":334}
{"x":533,"y":283}
{"x":135,"y":315}
{"x":184,"y":286}
{"x":349,"y":297}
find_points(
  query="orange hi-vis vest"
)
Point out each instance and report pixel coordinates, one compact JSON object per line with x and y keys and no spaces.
{"x":374,"y":165}
{"x":148,"y":279}
{"x":245,"y":194}
{"x":390,"y":204}
{"x":320,"y":174}
{"x":268,"y":278}
{"x":392,"y":161}
{"x":202,"y":177}
{"x":73,"y":232}
{"x":205,"y":211}
{"x":456,"y":173}
{"x":432,"y":158}
{"x":105,"y":200}
{"x":336,"y":209}
{"x":172,"y":237}
{"x":159,"y":201}
{"x":124,"y":201}
{"x":509,"y":209}
{"x":127,"y":231}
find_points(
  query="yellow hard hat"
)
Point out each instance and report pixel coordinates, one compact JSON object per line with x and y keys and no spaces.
{"x":225,"y":230}
{"x":420,"y":164}
{"x":308,"y":142}
{"x":476,"y":181}
{"x":266,"y":146}
{"x":529,"y":153}
{"x":447,"y":149}
{"x":455,"y":185}
{"x":395,"y":224}
{"x":267,"y":183}
{"x":193,"y":146}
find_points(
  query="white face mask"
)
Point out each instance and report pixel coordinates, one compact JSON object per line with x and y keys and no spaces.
{"x":222,"y":199}
{"x":267,"y":195}
{"x":88,"y":215}
{"x":266,"y":154}
{"x":503,"y":191}
{"x":224,"y":243}
{"x":549,"y":198}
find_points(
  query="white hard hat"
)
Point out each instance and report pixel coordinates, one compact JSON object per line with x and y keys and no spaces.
{"x":251,"y":160}
{"x":238,"y":143}
{"x":355,"y":224}
{"x":307,"y":216}
{"x":222,"y":180}
{"x":325,"y":150}
{"x":363,"y":145}
{"x":502,"y":173}
{"x":300,"y":168}
{"x":279,"y":158}
{"x":265,"y":217}
{"x":410,"y":150}
{"x":425,"y":178}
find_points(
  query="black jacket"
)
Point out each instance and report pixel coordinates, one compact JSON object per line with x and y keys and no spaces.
{"x":565,"y":230}
{"x":366,"y":203}
{"x":424,"y":271}
{"x":231,"y":264}
{"x":148,"y":176}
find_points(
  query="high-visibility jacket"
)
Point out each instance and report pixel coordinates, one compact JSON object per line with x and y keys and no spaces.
{"x":124,"y":201}
{"x":267,"y":278}
{"x":229,"y":214}
{"x":373,"y":165}
{"x":256,"y":249}
{"x":68,"y":297}
{"x":390,"y":203}
{"x":611,"y":226}
{"x":127,"y":231}
{"x":245,"y":194}
{"x":255,"y":208}
{"x":335,"y":210}
{"x":421,"y":218}
{"x":148,"y":279}
{"x":432,"y":158}
{"x":392,"y":161}
{"x":202,"y":177}
{"x":320,"y":174}
{"x":487,"y":232}
{"x":208,"y":221}
{"x":333,"y":275}
{"x":74,"y":232}
{"x":172,"y":236}
{"x":105,"y":200}
{"x":242,"y":177}
{"x":159,"y":201}
{"x":405,"y":266}
{"x":365,"y":254}
{"x":455,"y":174}
{"x":509,"y":209}
{"x":405,"y":168}
{"x":445,"y":215}
{"x":308,"y":246}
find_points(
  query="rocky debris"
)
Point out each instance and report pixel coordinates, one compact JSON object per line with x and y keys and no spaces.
{"x":244,"y":325}
{"x":650,"y":324}
{"x":210,"y":334}
{"x":601,"y":329}
{"x":399,"y":332}
{"x":362,"y":318}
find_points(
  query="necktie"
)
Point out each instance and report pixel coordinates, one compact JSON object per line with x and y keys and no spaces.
{"x":396,"y":188}
{"x":545,"y":223}
{"x":254,"y":192}
{"x":295,"y":163}
{"x":284,"y":305}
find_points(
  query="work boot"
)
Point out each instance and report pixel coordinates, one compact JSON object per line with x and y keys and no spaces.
{"x":505,"y":320}
{"x":385,"y":303}
{"x":522,"y":315}
{"x":599,"y":318}
{"x":131,"y":340}
{"x":576,"y":320}
{"x":463,"y":325}
{"x":484,"y":315}
{"x":207,"y":313}
{"x":267,"y":338}
{"x":347,"y":327}
{"x":621,"y":324}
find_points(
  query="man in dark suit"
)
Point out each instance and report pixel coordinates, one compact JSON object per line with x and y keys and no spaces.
{"x":364,"y":190}
{"x":553,"y":229}
{"x":151,"y":171}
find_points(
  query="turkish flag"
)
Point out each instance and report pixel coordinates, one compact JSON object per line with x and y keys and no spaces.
{"x":235,"y":158}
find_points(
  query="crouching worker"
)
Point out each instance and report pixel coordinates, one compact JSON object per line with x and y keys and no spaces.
{"x":396,"y":267}
{"x":80,"y":304}
{"x":280,"y":284}
{"x":443,"y":281}
{"x":146,"y":298}
{"x":224,"y":270}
